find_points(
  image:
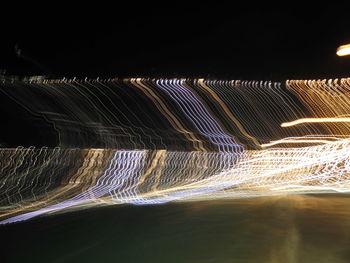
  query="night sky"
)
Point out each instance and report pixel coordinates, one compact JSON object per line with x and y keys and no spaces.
{"x":240,"y":41}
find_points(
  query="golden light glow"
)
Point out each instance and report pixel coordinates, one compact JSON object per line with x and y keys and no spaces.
{"x":343,"y":50}
{"x":300,"y":140}
{"x":314,"y":120}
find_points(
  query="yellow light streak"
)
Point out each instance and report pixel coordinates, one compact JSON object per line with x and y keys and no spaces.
{"x":283,"y":141}
{"x":314,"y":120}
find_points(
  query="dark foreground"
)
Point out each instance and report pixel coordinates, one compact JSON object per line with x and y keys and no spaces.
{"x":286,"y":229}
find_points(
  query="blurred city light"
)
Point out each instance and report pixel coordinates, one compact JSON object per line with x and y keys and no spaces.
{"x":343,"y":50}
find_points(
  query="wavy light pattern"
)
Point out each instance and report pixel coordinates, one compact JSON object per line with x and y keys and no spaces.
{"x":143,"y":141}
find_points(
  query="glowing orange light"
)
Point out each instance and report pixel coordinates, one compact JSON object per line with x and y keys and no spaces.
{"x":343,"y":50}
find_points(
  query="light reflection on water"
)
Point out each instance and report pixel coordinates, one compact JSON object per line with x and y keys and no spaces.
{"x":278,"y":229}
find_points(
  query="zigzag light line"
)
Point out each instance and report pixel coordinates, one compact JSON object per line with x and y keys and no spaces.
{"x":144,"y":141}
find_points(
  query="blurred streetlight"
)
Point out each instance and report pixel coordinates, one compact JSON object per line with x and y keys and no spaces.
{"x":343,"y":50}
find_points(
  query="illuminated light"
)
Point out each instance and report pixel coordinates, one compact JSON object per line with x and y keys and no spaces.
{"x":343,"y":50}
{"x":198,"y":114}
{"x":227,"y":111}
{"x":286,"y":141}
{"x":314,"y":120}
{"x":187,"y":176}
{"x":137,"y":164}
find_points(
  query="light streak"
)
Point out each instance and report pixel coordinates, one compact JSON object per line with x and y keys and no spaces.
{"x":314,"y":120}
{"x":195,"y":140}
{"x":287,"y":141}
{"x":343,"y":50}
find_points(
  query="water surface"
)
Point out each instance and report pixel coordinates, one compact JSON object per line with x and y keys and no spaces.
{"x":277,"y":229}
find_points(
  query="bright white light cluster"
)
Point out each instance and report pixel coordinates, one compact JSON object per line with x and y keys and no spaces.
{"x":144,"y":177}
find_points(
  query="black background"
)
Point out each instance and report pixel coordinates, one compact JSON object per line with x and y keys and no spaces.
{"x":240,"y":40}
